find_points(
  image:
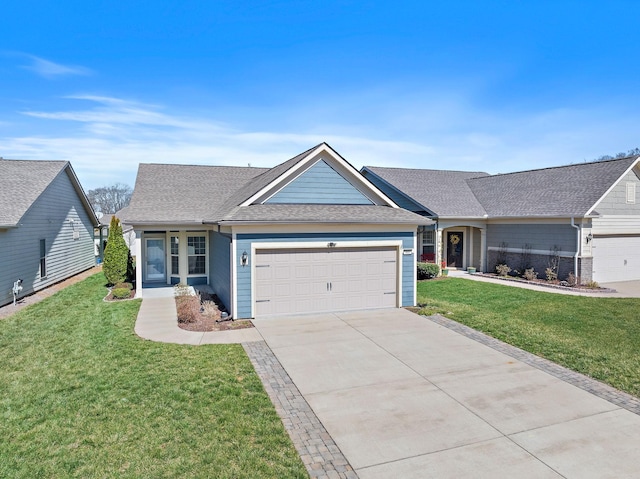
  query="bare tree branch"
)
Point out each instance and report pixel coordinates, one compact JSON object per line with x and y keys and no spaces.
{"x":110,"y":199}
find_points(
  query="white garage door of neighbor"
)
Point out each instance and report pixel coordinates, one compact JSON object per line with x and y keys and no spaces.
{"x":318,"y":280}
{"x":616,"y":258}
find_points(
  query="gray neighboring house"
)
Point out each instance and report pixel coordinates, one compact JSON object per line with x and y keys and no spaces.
{"x":588,"y":213}
{"x":309,"y":235}
{"x":46,"y":225}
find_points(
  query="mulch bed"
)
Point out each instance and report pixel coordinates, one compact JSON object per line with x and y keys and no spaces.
{"x":205,"y":315}
{"x":549,"y":284}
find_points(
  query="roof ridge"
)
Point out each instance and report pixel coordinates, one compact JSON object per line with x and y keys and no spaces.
{"x":425,"y":169}
{"x":594,"y":162}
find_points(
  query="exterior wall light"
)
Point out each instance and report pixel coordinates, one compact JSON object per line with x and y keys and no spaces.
{"x":589,"y":238}
{"x":244,"y":259}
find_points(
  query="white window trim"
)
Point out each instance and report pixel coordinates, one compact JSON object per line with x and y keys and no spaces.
{"x":631,"y":193}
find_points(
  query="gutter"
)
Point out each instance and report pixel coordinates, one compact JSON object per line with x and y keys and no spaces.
{"x":575,"y":257}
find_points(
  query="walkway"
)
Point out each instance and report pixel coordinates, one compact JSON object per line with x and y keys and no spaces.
{"x":623,"y":289}
{"x":158,"y":321}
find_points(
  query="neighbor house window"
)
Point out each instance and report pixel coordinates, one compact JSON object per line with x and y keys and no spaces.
{"x":43,"y":258}
{"x":175,"y":262}
{"x":197,"y":254}
{"x":428,"y":246}
{"x":631,"y":193}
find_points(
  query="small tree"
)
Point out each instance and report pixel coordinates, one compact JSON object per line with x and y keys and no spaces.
{"x":116,"y":254}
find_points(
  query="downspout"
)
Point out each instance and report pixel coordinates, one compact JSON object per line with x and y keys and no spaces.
{"x":578,"y":244}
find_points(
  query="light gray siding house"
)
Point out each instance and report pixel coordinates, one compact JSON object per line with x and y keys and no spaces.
{"x":309,"y":235}
{"x":587,"y":213}
{"x":46,"y":225}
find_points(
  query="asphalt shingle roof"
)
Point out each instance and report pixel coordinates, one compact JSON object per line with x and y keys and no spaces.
{"x":21,"y":183}
{"x":296,"y":213}
{"x":446,"y":193}
{"x":184,"y":193}
{"x":174,"y":194}
{"x":560,"y":191}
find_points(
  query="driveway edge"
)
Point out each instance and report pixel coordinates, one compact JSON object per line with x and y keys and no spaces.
{"x":597,"y":388}
{"x":317,"y":449}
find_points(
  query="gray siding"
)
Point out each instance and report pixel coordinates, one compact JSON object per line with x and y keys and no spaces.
{"x":539,"y":236}
{"x":615,"y":203}
{"x":50,"y":219}
{"x":220,"y":266}
{"x":244,"y":241}
{"x":398,"y":198}
{"x":320,"y":184}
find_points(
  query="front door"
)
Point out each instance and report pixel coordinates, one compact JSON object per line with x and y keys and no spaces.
{"x":155,"y":259}
{"x":454,"y":249}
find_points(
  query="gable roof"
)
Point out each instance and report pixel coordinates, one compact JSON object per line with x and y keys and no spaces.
{"x":563,"y":191}
{"x":23,"y":181}
{"x":175,"y":194}
{"x":443,"y":192}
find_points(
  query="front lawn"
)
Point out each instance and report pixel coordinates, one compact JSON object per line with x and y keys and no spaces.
{"x":82,"y":396}
{"x":599,"y":337}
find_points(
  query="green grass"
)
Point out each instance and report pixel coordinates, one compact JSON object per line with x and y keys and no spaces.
{"x":599,"y":337}
{"x":82,"y":396}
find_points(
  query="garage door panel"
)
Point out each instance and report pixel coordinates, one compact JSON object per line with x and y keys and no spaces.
{"x":307,"y":280}
{"x":616,"y":258}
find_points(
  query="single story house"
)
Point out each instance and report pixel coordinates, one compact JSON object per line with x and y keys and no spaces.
{"x":309,"y":235}
{"x":46,"y":225}
{"x":584,"y":216}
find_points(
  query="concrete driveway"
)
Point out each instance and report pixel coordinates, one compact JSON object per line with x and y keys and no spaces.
{"x":403,"y":396}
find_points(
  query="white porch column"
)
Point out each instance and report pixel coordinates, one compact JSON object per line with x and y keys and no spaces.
{"x":139,"y":253}
{"x":483,"y":250}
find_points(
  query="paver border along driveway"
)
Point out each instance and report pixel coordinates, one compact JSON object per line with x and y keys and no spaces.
{"x":404,"y":396}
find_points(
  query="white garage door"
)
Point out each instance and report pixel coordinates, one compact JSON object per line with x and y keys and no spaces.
{"x":616,"y":258}
{"x":317,"y":280}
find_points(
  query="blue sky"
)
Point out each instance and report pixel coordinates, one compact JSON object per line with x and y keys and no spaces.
{"x":492,"y":86}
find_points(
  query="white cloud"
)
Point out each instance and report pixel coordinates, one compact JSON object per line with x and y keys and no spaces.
{"x":106,"y":140}
{"x":49,"y":69}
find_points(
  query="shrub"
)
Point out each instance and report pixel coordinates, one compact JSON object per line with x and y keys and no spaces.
{"x":121,"y":293}
{"x":530,"y":274}
{"x":428,"y":270}
{"x":188,"y":308}
{"x":116,"y":255}
{"x":572,"y":280}
{"x":502,"y":269}
{"x":128,"y":286}
{"x":550,"y":274}
{"x":592,"y":285}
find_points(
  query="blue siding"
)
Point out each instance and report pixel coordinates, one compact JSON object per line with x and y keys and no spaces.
{"x":244,"y":242}
{"x":320,"y":184}
{"x":220,"y":266}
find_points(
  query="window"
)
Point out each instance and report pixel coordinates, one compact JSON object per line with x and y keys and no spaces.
{"x":428,"y":246}
{"x":428,"y":241}
{"x":43,"y":258}
{"x":197,"y":254}
{"x":175,"y":262}
{"x":631,"y":193}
